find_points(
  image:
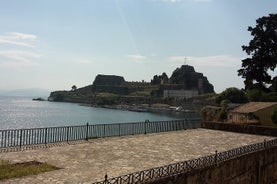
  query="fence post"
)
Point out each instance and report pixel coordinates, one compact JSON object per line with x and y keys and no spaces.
{"x":132,"y":128}
{"x":145,"y":124}
{"x":106,"y":178}
{"x":45,"y":139}
{"x":215,"y":158}
{"x":87,"y":132}
{"x":20,"y":139}
{"x":67,"y":134}
{"x":119,"y":129}
{"x":265,"y":151}
{"x":185,"y":124}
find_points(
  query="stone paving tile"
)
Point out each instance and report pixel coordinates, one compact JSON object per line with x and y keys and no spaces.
{"x":89,"y":161}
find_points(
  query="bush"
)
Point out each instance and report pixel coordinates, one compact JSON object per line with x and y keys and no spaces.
{"x":106,"y":99}
{"x":210,"y":113}
{"x":222,"y":115}
{"x":255,"y":95}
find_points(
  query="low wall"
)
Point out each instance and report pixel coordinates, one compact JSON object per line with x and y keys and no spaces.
{"x":254,"y":168}
{"x":241,"y":128}
{"x":255,"y":163}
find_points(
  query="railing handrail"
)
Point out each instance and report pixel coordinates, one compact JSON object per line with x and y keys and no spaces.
{"x":189,"y":165}
{"x":65,"y":126}
{"x":35,"y":136}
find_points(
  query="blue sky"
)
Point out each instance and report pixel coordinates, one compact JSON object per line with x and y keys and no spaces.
{"x":56,"y":44}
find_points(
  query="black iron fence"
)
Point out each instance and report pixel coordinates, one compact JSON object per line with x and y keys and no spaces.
{"x":35,"y":136}
{"x":159,"y":173}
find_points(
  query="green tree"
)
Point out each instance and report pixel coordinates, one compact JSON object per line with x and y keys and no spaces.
{"x":262,"y":51}
{"x":234,"y":95}
{"x":253,"y":95}
{"x":73,"y":88}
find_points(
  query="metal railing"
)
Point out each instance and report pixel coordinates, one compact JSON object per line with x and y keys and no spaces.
{"x":158,"y":173}
{"x":35,"y":136}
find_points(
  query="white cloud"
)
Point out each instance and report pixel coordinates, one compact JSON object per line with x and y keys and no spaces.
{"x":23,"y":36}
{"x":212,"y":61}
{"x":17,"y":59}
{"x":18,"y":39}
{"x":137,"y":57}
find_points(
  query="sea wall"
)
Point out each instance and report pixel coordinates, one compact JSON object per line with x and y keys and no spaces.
{"x":254,"y":168}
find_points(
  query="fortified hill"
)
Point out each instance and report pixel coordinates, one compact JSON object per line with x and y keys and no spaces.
{"x":184,"y":83}
{"x":110,"y":84}
{"x":186,"y":78}
{"x":108,"y":80}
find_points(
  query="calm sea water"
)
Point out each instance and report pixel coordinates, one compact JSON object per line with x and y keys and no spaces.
{"x":22,"y":112}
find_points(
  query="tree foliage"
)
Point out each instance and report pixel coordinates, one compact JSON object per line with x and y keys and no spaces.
{"x":74,"y":88}
{"x":233,"y":95}
{"x":262,"y":50}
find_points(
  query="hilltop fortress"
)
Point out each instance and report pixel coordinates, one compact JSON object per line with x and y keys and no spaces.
{"x":183,"y":84}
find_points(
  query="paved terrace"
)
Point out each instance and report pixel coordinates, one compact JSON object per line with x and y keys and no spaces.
{"x":89,"y":161}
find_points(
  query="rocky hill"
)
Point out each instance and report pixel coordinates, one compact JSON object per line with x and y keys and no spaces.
{"x":188,"y":79}
{"x":108,"y":80}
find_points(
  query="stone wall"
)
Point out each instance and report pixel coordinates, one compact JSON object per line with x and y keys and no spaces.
{"x":242,"y":128}
{"x":254,"y":168}
{"x":180,"y":94}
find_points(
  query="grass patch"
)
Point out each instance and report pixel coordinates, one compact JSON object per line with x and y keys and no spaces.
{"x":8,"y":170}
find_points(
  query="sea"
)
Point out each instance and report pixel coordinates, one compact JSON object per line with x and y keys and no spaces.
{"x":23,"y":112}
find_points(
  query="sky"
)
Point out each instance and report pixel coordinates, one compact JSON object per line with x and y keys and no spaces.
{"x":54,"y":44}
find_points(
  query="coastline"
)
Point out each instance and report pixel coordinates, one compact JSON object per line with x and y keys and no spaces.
{"x":153,"y":108}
